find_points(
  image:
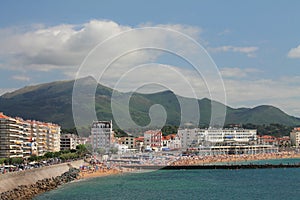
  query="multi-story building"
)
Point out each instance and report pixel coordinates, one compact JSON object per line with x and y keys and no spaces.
{"x":102,"y":135}
{"x":153,"y":139}
{"x":223,"y":141}
{"x":68,"y":141}
{"x":171,"y":141}
{"x":195,"y":137}
{"x":139,"y":143}
{"x":295,"y":137}
{"x":27,"y":138}
{"x":11,"y":137}
{"x":128,"y":141}
{"x":189,"y":137}
{"x":34,"y":144}
{"x":53,"y":137}
{"x":21,"y":138}
{"x":267,"y":139}
{"x":41,"y":139}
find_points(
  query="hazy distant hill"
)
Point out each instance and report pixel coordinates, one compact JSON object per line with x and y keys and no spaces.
{"x":53,"y":102}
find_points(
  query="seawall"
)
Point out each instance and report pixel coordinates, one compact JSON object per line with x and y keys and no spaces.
{"x":12,"y":180}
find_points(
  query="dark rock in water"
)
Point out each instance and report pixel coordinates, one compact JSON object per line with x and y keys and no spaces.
{"x":25,"y":192}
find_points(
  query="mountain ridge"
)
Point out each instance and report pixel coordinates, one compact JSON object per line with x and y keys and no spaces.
{"x":53,"y":102}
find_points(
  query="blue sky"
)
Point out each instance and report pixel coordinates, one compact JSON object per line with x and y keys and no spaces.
{"x":255,"y":44}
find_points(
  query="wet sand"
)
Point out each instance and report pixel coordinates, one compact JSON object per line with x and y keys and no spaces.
{"x":85,"y":174}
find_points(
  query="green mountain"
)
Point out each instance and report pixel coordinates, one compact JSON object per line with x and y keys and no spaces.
{"x":52,"y":102}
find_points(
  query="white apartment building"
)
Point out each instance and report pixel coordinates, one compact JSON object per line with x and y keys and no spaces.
{"x":295,"y":137}
{"x":21,"y":138}
{"x":128,"y":141}
{"x":53,"y":137}
{"x":189,"y":137}
{"x":171,"y":142}
{"x":68,"y":141}
{"x":153,"y":139}
{"x":209,"y":137}
{"x":102,"y":135}
{"x":11,"y":137}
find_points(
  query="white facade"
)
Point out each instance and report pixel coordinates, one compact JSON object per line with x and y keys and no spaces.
{"x":171,"y":142}
{"x":102,"y":135}
{"x":153,"y":139}
{"x":196,"y":137}
{"x":188,"y":137}
{"x":295,"y":137}
{"x":68,"y":141}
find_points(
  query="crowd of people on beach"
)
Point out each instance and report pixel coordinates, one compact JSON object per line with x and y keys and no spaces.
{"x":200,"y":160}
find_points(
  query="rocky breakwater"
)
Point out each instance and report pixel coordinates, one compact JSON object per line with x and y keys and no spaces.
{"x":29,"y":191}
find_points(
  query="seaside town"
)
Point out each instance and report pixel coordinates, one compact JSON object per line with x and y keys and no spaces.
{"x":28,"y":145}
{"x":25,"y":142}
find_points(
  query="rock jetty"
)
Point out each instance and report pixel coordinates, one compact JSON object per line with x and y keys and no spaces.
{"x":25,"y":192}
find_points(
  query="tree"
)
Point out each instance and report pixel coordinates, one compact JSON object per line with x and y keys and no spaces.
{"x":2,"y":160}
{"x":81,"y":150}
{"x":89,"y":147}
{"x":120,"y":133}
{"x":101,"y":151}
{"x":113,"y":150}
{"x":33,"y":158}
{"x":49,"y":155}
{"x":16,"y":160}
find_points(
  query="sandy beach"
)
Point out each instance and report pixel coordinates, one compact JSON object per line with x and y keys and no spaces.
{"x":99,"y":173}
{"x":200,"y":160}
{"x":92,"y":171}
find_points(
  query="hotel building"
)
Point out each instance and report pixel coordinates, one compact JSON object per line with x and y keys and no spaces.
{"x":153,"y":139}
{"x":223,"y":141}
{"x":295,"y":137}
{"x":102,"y":135}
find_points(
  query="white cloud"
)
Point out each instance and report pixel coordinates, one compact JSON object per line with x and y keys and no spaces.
{"x":63,"y":47}
{"x":21,"y":78}
{"x":235,"y":72}
{"x":248,"y":50}
{"x":282,"y":93}
{"x":294,"y":52}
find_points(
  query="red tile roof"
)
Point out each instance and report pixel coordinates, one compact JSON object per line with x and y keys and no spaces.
{"x":2,"y":116}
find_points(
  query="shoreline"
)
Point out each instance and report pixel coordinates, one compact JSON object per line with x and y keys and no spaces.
{"x":202,"y":160}
{"x":88,"y":171}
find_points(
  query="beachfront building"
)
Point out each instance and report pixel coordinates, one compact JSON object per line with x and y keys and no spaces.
{"x":171,"y":142}
{"x":11,"y":137}
{"x":34,"y":144}
{"x":208,"y":137}
{"x":23,"y":138}
{"x":295,"y":137}
{"x":189,"y":137}
{"x":267,"y":139}
{"x":128,"y":141}
{"x":27,"y":139}
{"x":223,"y":141}
{"x":284,"y":141}
{"x":153,"y":140}
{"x":68,"y":141}
{"x":102,"y":135}
{"x":53,"y":137}
{"x":41,"y":139}
{"x":139,"y":143}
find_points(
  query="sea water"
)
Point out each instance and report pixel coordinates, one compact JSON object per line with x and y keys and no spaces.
{"x":186,"y":184}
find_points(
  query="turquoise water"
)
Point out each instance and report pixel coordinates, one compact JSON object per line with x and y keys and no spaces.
{"x":186,"y":184}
